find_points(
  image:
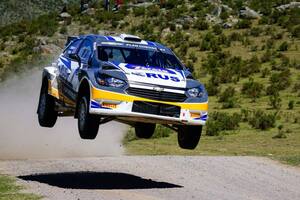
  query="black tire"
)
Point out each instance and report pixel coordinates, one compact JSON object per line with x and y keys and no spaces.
{"x":47,"y":115}
{"x":88,"y":125}
{"x":189,"y":136}
{"x":144,"y":130}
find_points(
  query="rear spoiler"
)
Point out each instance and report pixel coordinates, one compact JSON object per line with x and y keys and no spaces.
{"x":70,"y":39}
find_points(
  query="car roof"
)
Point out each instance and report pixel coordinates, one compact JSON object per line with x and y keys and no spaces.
{"x":120,"y":40}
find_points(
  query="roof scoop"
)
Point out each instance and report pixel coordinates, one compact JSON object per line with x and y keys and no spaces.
{"x":131,"y":38}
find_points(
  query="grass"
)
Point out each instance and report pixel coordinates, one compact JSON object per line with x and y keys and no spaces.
{"x":10,"y":191}
{"x":244,"y":142}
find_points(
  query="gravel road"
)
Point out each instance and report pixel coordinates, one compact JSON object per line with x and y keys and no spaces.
{"x":157,"y":177}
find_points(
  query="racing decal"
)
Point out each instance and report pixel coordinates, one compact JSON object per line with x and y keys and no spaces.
{"x":164,"y":77}
{"x":150,"y":68}
{"x":66,"y":62}
{"x":151,"y":43}
{"x":153,"y":75}
{"x":203,"y":118}
{"x":95,"y":104}
{"x":110,"y":38}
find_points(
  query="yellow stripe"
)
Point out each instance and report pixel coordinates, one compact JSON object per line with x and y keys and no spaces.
{"x":107,"y":95}
{"x":52,"y":91}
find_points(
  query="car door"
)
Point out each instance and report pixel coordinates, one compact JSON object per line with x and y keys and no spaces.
{"x":67,"y":67}
{"x":85,"y":52}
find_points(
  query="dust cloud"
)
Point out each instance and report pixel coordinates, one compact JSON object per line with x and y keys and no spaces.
{"x":21,"y":137}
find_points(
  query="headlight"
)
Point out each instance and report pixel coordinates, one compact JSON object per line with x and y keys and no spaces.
{"x":111,"y":82}
{"x":114,"y":82}
{"x":195,"y":92}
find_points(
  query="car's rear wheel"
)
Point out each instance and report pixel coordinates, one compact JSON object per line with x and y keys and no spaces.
{"x":88,"y":125}
{"x":189,"y":136}
{"x":47,"y":115}
{"x":144,"y":130}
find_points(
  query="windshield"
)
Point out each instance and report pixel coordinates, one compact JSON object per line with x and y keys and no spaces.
{"x":153,"y":58}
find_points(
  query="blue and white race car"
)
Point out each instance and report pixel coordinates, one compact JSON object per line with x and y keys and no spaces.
{"x":98,"y":79}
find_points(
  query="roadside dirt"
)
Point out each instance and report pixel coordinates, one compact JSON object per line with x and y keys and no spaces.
{"x":161,"y":177}
{"x":22,"y":138}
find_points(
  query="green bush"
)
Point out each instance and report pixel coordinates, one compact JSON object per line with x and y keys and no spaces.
{"x":255,"y":31}
{"x":201,"y":25}
{"x":153,"y":11}
{"x":291,"y":104}
{"x":280,"y":134}
{"x":227,"y":98}
{"x":221,"y":121}
{"x":235,"y":36}
{"x":265,"y":72}
{"x":139,"y":11}
{"x":296,"y":31}
{"x":261,"y":120}
{"x":252,"y":89}
{"x":281,"y":80}
{"x":283,"y":46}
{"x":217,"y":29}
{"x":275,"y":100}
{"x":161,"y":132}
{"x":243,"y":24}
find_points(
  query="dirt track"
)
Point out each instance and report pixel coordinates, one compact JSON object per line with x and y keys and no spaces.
{"x":166,"y":177}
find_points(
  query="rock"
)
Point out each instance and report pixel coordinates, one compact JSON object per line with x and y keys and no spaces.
{"x":65,"y":15}
{"x":178,"y":26}
{"x":248,"y":13}
{"x":213,"y":19}
{"x":185,"y":20}
{"x":165,"y":32}
{"x":37,"y":49}
{"x":227,"y":25}
{"x":89,"y":11}
{"x":231,"y":21}
{"x":288,"y":6}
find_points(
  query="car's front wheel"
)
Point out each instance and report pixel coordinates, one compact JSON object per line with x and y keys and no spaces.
{"x":88,"y":125}
{"x":189,"y":136}
{"x":47,"y":115}
{"x":144,"y":130}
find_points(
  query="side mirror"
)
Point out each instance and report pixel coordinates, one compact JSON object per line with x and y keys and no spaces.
{"x":74,"y":56}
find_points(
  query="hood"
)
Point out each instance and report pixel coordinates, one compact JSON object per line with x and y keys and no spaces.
{"x":154,"y":75}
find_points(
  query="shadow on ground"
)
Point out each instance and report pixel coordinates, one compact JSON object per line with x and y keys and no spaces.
{"x":97,"y":180}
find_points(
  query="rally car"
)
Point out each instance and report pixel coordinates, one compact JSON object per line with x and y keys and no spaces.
{"x":98,"y":79}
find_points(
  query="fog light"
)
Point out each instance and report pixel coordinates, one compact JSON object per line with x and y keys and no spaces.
{"x":108,"y":105}
{"x":195,"y":115}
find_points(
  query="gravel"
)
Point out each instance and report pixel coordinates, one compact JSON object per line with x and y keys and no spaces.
{"x":157,"y":177}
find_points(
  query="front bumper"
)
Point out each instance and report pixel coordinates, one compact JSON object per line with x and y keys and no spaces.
{"x":107,"y":103}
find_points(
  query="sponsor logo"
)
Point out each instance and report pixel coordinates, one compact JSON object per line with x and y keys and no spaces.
{"x":138,"y":74}
{"x":163,"y":77}
{"x":158,"y":89}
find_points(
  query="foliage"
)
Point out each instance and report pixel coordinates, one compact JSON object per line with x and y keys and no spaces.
{"x":291,"y":104}
{"x":283,"y":46}
{"x":139,"y":11}
{"x":221,"y":121}
{"x":227,"y":98}
{"x":275,"y":100}
{"x":243,"y":23}
{"x":261,"y":120}
{"x":252,"y":89}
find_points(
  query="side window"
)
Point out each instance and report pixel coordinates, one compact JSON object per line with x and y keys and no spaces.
{"x":72,"y":48}
{"x":85,"y":51}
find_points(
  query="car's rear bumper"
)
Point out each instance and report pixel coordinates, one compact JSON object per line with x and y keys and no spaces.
{"x":107,"y":103}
